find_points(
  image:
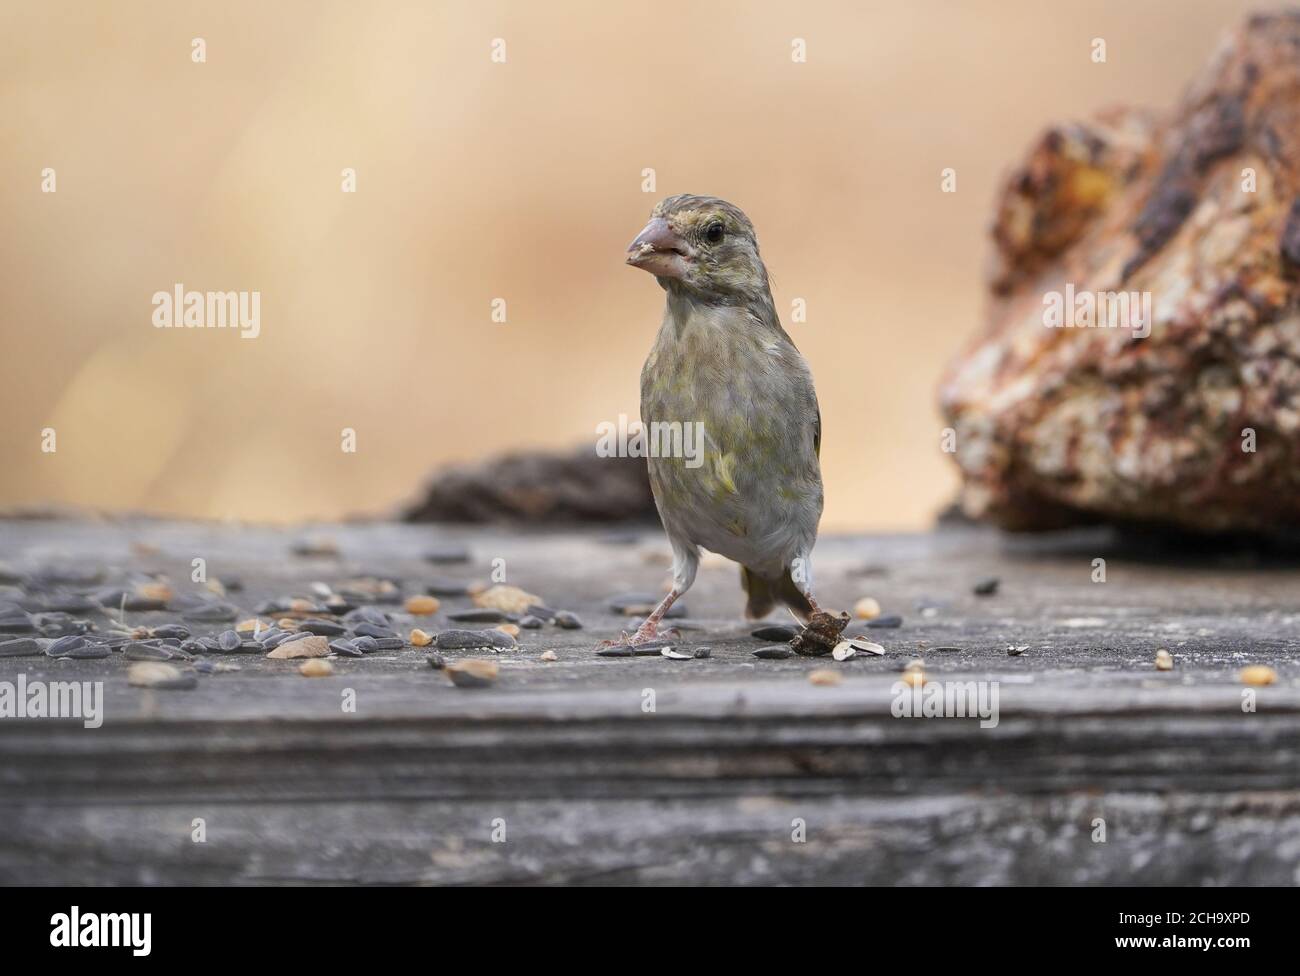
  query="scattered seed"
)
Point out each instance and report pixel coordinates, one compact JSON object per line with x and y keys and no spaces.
{"x":315,"y":546}
{"x":674,"y":655}
{"x":843,"y":651}
{"x":530,"y":622}
{"x":138,"y":651}
{"x":436,"y":661}
{"x":88,"y":652}
{"x":472,"y":673}
{"x":825,"y":676}
{"x":478,"y":616}
{"x":422,"y":606}
{"x":703,"y":653}
{"x":20,"y":647}
{"x":864,"y":646}
{"x":548,"y":656}
{"x":316,"y":668}
{"x":508,"y":599}
{"x":567,"y":621}
{"x":460,"y":640}
{"x":1013,"y":650}
{"x":373,"y":630}
{"x":420,"y":639}
{"x":155,"y":591}
{"x":986,"y":587}
{"x":617,"y":650}
{"x":441,"y":555}
{"x":345,"y":648}
{"x":155,"y":674}
{"x":214,"y":613}
{"x":179,"y":631}
{"x":366,"y":645}
{"x":508,"y":629}
{"x":388,"y":643}
{"x":774,"y":632}
{"x":229,"y":640}
{"x":777,"y":652}
{"x":447,"y":587}
{"x":1257,"y":674}
{"x":887,"y":622}
{"x":323,"y":628}
{"x":309,"y":646}
{"x":1164,"y":660}
{"x":914,"y":677}
{"x":64,"y":645}
{"x":866,"y":609}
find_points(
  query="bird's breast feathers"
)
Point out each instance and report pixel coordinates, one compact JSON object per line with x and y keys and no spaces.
{"x":750,"y":482}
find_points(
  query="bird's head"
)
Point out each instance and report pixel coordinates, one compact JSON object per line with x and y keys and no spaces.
{"x":704,"y":246}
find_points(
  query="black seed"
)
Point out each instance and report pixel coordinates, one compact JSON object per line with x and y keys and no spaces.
{"x":529,"y":622}
{"x":213,"y":613}
{"x":65,"y":644}
{"x":436,"y":661}
{"x":446,"y":587}
{"x":541,"y":612}
{"x":324,"y":628}
{"x":193,"y":646}
{"x":774,"y":632}
{"x":20,"y":647}
{"x":389,"y":643}
{"x":946,"y":649}
{"x":703,"y":652}
{"x":142,"y":604}
{"x":478,"y":617}
{"x":466,"y":639}
{"x":373,"y":630}
{"x":986,"y":587}
{"x":171,"y":630}
{"x":87,"y":652}
{"x":442,"y":555}
{"x":616,"y":651}
{"x":567,"y":620}
{"x":139,"y":651}
{"x":366,"y":645}
{"x":229,"y":640}
{"x":345,"y":647}
{"x":886,"y":622}
{"x":777,"y":652}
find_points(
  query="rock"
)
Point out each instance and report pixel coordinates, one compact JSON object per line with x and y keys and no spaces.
{"x":311,"y":646}
{"x":1197,"y":425}
{"x":472,"y":673}
{"x":155,"y":674}
{"x":539,"y":488}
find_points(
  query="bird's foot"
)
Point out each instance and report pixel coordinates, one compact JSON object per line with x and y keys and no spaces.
{"x":645,"y":636}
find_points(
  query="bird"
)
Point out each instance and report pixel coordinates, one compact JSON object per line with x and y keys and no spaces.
{"x":722,"y":360}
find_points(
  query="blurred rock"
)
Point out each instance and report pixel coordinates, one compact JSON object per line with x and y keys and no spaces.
{"x":538,"y":488}
{"x":1199,"y":210}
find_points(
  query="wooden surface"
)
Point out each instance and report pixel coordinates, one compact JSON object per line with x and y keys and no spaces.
{"x":708,"y":787}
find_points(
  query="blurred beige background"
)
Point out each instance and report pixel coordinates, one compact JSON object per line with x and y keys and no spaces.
{"x":519,"y":180}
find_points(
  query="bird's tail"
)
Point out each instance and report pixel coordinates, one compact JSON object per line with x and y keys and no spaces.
{"x":764,"y":594}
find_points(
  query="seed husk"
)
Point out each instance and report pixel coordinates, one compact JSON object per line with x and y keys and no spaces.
{"x":510,"y":630}
{"x":155,"y":674}
{"x":1257,"y":674}
{"x":420,"y":639}
{"x":548,"y":655}
{"x":310,"y":646}
{"x":843,"y":651}
{"x":422,"y":606}
{"x":824,"y":676}
{"x":1014,"y":650}
{"x":1164,"y":660}
{"x":472,"y":673}
{"x":674,"y":655}
{"x":316,"y":668}
{"x":866,"y":609}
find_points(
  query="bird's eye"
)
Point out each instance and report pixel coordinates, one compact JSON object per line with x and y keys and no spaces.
{"x":713,"y":233}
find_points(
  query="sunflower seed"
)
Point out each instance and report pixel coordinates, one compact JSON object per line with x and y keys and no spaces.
{"x":345,"y":648}
{"x":864,"y":646}
{"x":567,"y":621}
{"x":325,"y":628}
{"x":366,"y":645}
{"x":65,"y":645}
{"x":436,"y":661}
{"x":139,"y":651}
{"x":887,"y":622}
{"x":478,"y":616}
{"x":674,"y":655}
{"x":229,"y":640}
{"x":444,"y":555}
{"x":774,"y":632}
{"x":472,"y":673}
{"x":373,"y":630}
{"x":529,"y":622}
{"x":154,"y":674}
{"x":777,"y":652}
{"x":701,"y":653}
{"x":455,"y":640}
{"x":447,"y":587}
{"x":843,"y":651}
{"x":20,"y":647}
{"x":986,"y":587}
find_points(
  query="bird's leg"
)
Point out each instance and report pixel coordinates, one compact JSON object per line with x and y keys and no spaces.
{"x":649,"y":628}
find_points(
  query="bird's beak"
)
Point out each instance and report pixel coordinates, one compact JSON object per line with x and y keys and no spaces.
{"x":659,"y":250}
